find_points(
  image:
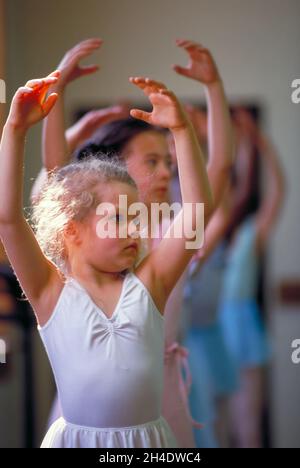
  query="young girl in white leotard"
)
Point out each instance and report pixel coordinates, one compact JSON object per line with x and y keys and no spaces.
{"x":107,"y":348}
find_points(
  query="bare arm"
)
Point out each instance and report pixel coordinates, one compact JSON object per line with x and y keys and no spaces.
{"x":35,"y":272}
{"x":54,"y":145}
{"x":58,"y":144}
{"x":242,"y":189}
{"x":74,"y":136}
{"x":220,"y":141}
{"x":273,"y":193}
{"x":84,"y":128}
{"x":195,"y":189}
{"x":202,"y":68}
{"x":214,"y":233}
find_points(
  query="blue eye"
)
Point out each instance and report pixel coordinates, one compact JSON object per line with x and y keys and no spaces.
{"x":151,"y":162}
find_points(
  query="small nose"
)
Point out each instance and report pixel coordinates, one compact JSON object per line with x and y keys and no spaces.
{"x":133,"y":230}
{"x":164,"y":171}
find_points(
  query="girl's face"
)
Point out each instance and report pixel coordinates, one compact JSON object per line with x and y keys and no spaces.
{"x":149,"y":163}
{"x":87,"y":244}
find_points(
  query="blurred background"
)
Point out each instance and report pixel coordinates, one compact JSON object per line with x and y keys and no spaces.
{"x":256,"y":46}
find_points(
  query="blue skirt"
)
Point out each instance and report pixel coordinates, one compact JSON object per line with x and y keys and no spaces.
{"x":213,"y":375}
{"x":201,"y":397}
{"x":244,"y":333}
{"x":207,"y":345}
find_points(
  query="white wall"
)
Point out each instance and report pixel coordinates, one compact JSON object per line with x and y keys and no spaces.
{"x":256,"y":45}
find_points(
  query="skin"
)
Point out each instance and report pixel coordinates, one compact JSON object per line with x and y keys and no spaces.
{"x":149,"y":164}
{"x":103,"y":258}
{"x":201,"y":67}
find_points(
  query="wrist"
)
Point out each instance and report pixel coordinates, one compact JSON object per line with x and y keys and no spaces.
{"x":15,"y":128}
{"x":72,"y":140}
{"x":58,"y":88}
{"x":214,"y":85}
{"x":186,"y":126}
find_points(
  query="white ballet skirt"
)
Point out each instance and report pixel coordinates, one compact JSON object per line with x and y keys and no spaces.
{"x":108,"y":371}
{"x":66,"y":435}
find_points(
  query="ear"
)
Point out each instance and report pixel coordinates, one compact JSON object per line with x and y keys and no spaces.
{"x":72,"y":233}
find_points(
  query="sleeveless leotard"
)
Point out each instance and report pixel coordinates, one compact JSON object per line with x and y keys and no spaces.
{"x":108,"y":371}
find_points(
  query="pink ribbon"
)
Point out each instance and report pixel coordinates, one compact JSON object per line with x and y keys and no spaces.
{"x":181,"y":355}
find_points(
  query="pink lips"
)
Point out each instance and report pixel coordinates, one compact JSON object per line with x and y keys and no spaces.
{"x":161,"y":189}
{"x":134,"y":246}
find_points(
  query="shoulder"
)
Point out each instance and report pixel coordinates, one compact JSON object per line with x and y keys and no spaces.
{"x":146,"y":276}
{"x":46,"y":303}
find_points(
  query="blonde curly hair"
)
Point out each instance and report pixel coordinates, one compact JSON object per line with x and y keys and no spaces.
{"x":69,"y":195}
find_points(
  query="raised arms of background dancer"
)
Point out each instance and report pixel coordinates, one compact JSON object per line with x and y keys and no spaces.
{"x":58,"y":144}
{"x":274,"y":187}
{"x":249,"y":139}
{"x":167,"y":112}
{"x":202,"y":68}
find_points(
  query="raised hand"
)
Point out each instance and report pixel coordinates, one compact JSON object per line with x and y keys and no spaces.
{"x":30,"y":104}
{"x":201,"y":66}
{"x":167,"y":111}
{"x":69,"y":66}
{"x":91,"y":121}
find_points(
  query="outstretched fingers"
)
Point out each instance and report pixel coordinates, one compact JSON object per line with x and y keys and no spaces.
{"x":181,"y":70}
{"x":23,"y":92}
{"x":55,"y":74}
{"x":39,"y":87}
{"x":89,"y":69}
{"x":85,"y":48}
{"x":146,"y":84}
{"x":70,"y":62}
{"x":92,"y":42}
{"x":49,"y":103}
{"x":40,"y":82}
{"x":188,"y":45}
{"x":141,"y":115}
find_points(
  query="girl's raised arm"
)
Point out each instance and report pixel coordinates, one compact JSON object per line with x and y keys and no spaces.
{"x":202,"y":68}
{"x":76,"y":135}
{"x":84,"y":128}
{"x":54,"y":145}
{"x":58,"y":144}
{"x":274,"y":192}
{"x":170,"y":258}
{"x":38,"y":277}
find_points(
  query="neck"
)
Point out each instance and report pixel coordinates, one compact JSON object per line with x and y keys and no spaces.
{"x":87,"y":274}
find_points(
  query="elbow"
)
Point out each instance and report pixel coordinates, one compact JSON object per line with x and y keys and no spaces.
{"x":4,"y":229}
{"x":7,"y":223}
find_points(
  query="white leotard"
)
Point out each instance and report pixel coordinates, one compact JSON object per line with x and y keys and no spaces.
{"x":108,"y":371}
